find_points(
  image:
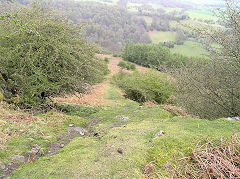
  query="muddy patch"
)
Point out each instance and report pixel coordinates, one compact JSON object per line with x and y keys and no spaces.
{"x":35,"y":153}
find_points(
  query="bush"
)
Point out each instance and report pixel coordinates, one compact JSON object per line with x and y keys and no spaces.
{"x":116,"y":55}
{"x":122,"y":64}
{"x":133,"y":66}
{"x":127,"y":65}
{"x":145,"y":86}
{"x":45,"y":58}
{"x":106,"y":60}
{"x":155,"y":56}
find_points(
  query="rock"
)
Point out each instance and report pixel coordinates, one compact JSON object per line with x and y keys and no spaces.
{"x":78,"y":130}
{"x":3,"y":166}
{"x":122,"y":118}
{"x":30,"y":139}
{"x":120,"y":151}
{"x":96,"y":134}
{"x":18,"y":158}
{"x":35,"y":150}
{"x":233,"y":119}
{"x":71,"y":125}
{"x":161,"y":133}
{"x":48,"y":137}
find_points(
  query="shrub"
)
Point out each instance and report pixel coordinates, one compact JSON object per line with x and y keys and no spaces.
{"x":106,"y":60}
{"x":211,"y":161}
{"x":145,"y":86}
{"x":155,"y":56}
{"x":122,"y":64}
{"x":116,"y":55}
{"x":45,"y":58}
{"x":133,"y":66}
{"x":127,"y":65}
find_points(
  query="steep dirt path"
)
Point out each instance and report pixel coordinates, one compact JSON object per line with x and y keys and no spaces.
{"x":97,"y":96}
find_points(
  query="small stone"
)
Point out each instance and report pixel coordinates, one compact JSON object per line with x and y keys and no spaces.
{"x":120,"y":151}
{"x":78,"y":130}
{"x":96,"y":134}
{"x":48,"y":137}
{"x":234,"y":119}
{"x":161,"y":133}
{"x":30,"y":139}
{"x":122,"y":118}
{"x":62,"y":145}
{"x":71,"y":125}
{"x":19,"y":158}
{"x":3,"y":166}
{"x":35,"y":150}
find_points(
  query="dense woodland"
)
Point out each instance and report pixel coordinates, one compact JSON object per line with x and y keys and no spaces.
{"x":109,"y":27}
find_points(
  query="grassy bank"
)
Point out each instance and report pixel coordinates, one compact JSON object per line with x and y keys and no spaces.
{"x":122,"y":148}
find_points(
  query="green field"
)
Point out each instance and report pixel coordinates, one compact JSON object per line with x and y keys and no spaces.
{"x":190,"y":49}
{"x":204,"y":14}
{"x":158,"y":37}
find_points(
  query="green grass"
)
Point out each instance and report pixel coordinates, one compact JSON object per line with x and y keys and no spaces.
{"x":204,"y":14}
{"x":43,"y":128}
{"x":97,"y":157}
{"x":162,"y":37}
{"x":190,"y":49}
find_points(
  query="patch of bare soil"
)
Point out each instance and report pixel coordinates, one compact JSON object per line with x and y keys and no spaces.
{"x":96,"y":96}
{"x":150,"y":104}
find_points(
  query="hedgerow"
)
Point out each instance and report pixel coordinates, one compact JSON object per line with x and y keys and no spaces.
{"x":127,"y":65}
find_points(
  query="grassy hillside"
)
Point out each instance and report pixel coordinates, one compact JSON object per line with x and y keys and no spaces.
{"x":190,"y":49}
{"x":204,"y":14}
{"x":120,"y":144}
{"x":157,"y":36}
{"x":122,"y":148}
{"x":100,"y":132}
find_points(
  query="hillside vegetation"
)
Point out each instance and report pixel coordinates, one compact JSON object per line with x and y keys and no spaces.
{"x":123,"y":143}
{"x":85,"y":94}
